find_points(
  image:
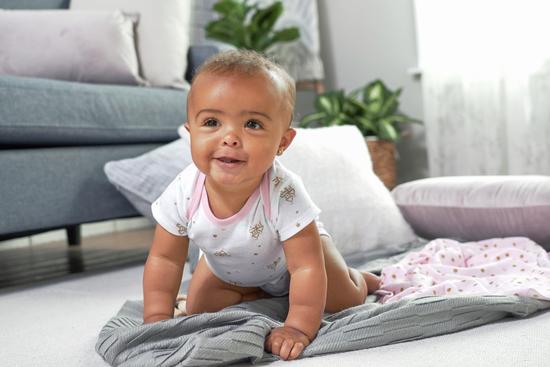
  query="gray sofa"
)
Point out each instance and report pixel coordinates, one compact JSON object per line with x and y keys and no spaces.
{"x":56,"y":136}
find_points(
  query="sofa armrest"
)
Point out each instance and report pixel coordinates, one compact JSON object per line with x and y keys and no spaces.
{"x":474,"y":208}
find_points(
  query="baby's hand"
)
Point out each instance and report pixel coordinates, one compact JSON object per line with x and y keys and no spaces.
{"x":286,"y":342}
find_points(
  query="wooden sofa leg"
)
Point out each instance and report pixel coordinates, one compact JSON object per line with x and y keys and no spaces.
{"x":73,"y":235}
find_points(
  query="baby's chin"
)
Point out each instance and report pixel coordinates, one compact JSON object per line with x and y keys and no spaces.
{"x":220,"y":177}
{"x":232,"y":179}
{"x":225,"y":181}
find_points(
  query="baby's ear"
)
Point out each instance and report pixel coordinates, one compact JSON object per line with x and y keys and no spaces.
{"x":287,"y":138}
{"x":186,"y":124}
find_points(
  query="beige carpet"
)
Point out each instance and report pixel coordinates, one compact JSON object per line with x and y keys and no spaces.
{"x":57,"y":325}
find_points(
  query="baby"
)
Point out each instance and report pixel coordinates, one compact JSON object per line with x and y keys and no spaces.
{"x":252,"y":218}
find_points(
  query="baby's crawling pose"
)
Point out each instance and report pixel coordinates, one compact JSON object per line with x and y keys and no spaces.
{"x":252,"y":218}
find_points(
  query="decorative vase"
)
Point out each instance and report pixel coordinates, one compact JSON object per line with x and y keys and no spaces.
{"x":382,"y":154}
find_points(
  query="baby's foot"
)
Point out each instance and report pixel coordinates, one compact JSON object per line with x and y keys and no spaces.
{"x":179,"y":308}
{"x":373,"y":282}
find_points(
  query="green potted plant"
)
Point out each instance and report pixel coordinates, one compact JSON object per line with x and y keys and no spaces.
{"x":249,"y":26}
{"x":374,"y":109}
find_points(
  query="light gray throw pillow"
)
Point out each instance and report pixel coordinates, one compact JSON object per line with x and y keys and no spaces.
{"x":474,"y":208}
{"x":142,"y":179}
{"x":163,"y":33}
{"x":93,"y":47}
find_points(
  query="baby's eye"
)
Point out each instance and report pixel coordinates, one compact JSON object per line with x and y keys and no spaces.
{"x":210,"y":122}
{"x":253,"y":124}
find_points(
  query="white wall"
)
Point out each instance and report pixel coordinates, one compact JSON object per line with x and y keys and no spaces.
{"x":362,"y":40}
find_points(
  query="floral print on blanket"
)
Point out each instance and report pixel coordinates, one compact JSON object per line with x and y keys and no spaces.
{"x":500,"y":266}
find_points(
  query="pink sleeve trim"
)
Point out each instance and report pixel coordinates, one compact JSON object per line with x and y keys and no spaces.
{"x":196,"y":198}
{"x":264,"y":189}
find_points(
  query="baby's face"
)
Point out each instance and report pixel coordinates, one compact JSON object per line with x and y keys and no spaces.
{"x":237,"y":124}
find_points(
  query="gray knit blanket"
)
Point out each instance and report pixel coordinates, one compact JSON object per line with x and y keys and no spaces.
{"x":237,"y":333}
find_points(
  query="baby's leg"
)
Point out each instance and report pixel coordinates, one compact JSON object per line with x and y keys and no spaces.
{"x":346,"y":287}
{"x":207,"y":293}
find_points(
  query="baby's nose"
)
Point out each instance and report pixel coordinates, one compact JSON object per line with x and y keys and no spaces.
{"x":232,"y":140}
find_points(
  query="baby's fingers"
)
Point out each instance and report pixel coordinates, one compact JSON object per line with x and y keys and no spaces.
{"x":286,"y":348}
{"x":297,"y":349}
{"x":273,"y":344}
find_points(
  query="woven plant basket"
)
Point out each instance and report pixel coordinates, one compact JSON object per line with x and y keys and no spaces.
{"x":383,"y":160}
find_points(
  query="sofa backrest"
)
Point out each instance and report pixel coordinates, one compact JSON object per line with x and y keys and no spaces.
{"x":34,"y":4}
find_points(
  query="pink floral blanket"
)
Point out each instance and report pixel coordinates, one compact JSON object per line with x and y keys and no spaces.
{"x":500,"y":266}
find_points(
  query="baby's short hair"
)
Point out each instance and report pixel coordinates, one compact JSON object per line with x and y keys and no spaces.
{"x":250,"y":63}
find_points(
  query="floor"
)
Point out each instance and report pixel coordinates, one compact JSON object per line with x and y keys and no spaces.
{"x":32,"y":265}
{"x":55,"y":299}
{"x":56,"y":322}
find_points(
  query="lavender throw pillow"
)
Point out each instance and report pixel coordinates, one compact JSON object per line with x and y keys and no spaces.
{"x":474,"y":208}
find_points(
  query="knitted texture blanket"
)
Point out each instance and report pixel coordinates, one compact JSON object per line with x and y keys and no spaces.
{"x":237,"y":333}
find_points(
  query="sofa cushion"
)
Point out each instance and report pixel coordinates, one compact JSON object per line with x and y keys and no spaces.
{"x":41,"y":112}
{"x":34,"y":4}
{"x":162,"y":33}
{"x":55,"y":187}
{"x":90,"y":47}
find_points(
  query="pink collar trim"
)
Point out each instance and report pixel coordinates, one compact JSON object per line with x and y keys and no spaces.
{"x":200,"y":198}
{"x":235,"y":217}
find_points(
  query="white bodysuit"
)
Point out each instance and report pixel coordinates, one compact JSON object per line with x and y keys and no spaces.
{"x":245,"y":249}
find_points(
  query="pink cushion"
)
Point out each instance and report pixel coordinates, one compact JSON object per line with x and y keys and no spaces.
{"x":474,"y":208}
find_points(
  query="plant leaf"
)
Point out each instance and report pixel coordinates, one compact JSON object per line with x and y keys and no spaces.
{"x":287,"y":34}
{"x":371,"y":108}
{"x":265,"y":18}
{"x":227,"y":6}
{"x":373,"y":97}
{"x":219,"y":30}
{"x":335,"y":120}
{"x":324,"y":104}
{"x":360,"y":106}
{"x":246,"y":25}
{"x":387,"y":131}
{"x":389,"y":105}
{"x":308,"y":119}
{"x":367,"y":125}
{"x":374,"y":91}
{"x":229,"y":27}
{"x":404,"y":119}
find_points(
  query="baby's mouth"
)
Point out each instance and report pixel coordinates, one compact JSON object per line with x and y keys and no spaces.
{"x":228,"y":160}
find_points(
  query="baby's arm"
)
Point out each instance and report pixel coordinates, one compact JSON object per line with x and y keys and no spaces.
{"x":308,"y":293}
{"x":162,"y":275}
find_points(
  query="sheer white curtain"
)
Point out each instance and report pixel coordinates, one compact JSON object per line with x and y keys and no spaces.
{"x":486,"y":85}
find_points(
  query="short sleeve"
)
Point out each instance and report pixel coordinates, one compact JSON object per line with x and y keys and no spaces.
{"x":170,"y":208}
{"x":293,"y":205}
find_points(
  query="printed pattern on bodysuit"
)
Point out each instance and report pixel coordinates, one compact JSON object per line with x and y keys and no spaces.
{"x":245,"y":249}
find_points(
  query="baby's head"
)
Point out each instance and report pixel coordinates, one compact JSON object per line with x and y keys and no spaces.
{"x":246,"y":63}
{"x":239,"y":111}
